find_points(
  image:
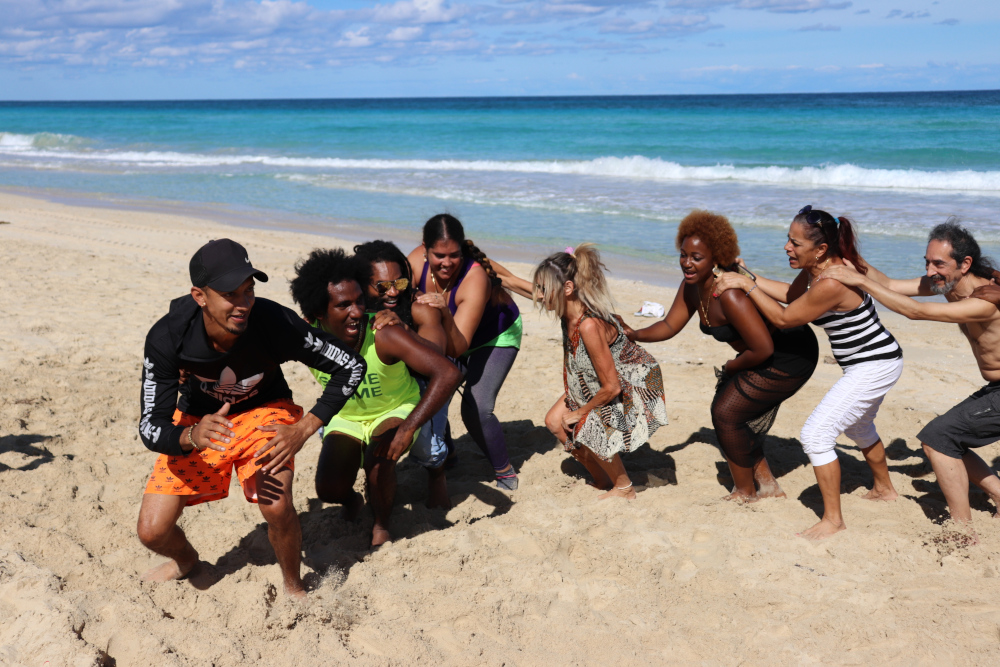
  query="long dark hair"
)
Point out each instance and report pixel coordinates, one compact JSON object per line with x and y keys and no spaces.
{"x":963,"y":245}
{"x":837,"y":233}
{"x":375,"y":252}
{"x":446,"y":226}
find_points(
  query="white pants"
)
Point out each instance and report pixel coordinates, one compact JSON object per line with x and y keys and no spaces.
{"x":849,"y":408}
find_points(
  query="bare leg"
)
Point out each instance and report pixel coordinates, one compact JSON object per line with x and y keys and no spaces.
{"x":615,"y":470}
{"x":553,"y":421}
{"x":768,"y":485}
{"x":595,"y":466}
{"x":158,"y":531}
{"x":882,"y":489}
{"x":744,"y":490}
{"x":274,"y":498}
{"x":953,"y":478}
{"x":437,"y":488}
{"x":381,"y":475}
{"x":336,"y":470}
{"x":828,"y":477}
{"x":982,"y":475}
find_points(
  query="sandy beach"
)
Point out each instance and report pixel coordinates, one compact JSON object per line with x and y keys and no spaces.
{"x":546,"y":575}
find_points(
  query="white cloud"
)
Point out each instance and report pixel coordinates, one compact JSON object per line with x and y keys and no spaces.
{"x":354,"y":40}
{"x":402,"y":34}
{"x":418,"y":11}
{"x":778,"y":6}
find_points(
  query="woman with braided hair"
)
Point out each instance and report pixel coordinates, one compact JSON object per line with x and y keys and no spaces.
{"x":482,"y":324}
{"x":613,"y":399}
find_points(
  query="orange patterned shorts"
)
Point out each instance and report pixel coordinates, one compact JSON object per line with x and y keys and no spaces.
{"x":205,"y":474}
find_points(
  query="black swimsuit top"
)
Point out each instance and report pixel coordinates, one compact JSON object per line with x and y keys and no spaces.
{"x":726,"y":333}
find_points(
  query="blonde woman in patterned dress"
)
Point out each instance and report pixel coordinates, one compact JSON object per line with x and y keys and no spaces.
{"x":614,"y":389}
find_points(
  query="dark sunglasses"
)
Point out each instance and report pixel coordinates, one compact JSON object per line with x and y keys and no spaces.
{"x":383,"y":286}
{"x":812,"y":217}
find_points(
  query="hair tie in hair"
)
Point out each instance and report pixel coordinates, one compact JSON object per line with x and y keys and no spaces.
{"x":569,"y":250}
{"x":837,"y":220}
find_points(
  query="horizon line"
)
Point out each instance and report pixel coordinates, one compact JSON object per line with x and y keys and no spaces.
{"x":495,"y":97}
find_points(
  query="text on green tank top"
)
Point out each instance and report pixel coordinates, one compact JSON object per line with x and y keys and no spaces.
{"x":383,"y":388}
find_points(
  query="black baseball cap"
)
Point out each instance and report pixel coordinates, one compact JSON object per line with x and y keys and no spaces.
{"x":223,"y":265}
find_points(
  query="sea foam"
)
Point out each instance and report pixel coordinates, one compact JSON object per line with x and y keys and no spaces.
{"x":66,"y":148}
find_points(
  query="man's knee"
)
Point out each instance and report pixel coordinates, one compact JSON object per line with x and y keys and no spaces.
{"x":153,"y":529}
{"x":277,"y":509}
{"x":335,"y":490}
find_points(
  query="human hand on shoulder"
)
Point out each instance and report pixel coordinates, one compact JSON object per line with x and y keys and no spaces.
{"x":846,"y":274}
{"x":731,"y":280}
{"x":990,"y":293}
{"x":386,"y":318}
{"x":434,"y":300}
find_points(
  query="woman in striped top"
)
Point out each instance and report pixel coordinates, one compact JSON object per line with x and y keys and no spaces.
{"x":870,"y":357}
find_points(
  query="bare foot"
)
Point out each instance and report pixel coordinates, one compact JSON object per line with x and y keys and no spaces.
{"x":770,"y":491}
{"x":627,"y":494}
{"x":380,"y":536}
{"x":823,"y":530}
{"x":295,"y":590}
{"x":738,"y":497}
{"x":437,"y":490}
{"x":352,"y":508}
{"x":884,"y":494}
{"x":169,"y":571}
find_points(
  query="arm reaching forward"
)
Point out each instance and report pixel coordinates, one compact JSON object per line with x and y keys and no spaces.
{"x":955,"y":312}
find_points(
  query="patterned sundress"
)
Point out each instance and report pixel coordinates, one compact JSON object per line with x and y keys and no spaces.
{"x":628,"y":421}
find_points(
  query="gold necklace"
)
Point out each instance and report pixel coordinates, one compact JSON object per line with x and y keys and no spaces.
{"x":809,"y":280}
{"x":437,"y":286}
{"x":703,"y":304}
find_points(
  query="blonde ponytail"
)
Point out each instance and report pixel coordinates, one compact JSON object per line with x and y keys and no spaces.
{"x":584,"y":268}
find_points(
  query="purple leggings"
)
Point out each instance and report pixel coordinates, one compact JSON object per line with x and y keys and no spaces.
{"x":485,"y":372}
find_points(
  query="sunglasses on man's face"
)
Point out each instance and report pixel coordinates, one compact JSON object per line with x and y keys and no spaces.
{"x":383,"y":286}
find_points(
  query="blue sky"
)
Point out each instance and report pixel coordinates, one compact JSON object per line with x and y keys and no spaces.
{"x":192,"y":49}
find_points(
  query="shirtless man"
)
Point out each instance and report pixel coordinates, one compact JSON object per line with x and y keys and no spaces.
{"x":221,"y":348}
{"x":956,"y":269}
{"x":382,"y":419}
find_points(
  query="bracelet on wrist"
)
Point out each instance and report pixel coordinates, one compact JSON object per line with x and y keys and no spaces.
{"x":752,"y":289}
{"x":191,"y":437}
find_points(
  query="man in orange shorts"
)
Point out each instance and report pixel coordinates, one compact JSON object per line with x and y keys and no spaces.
{"x":221,"y":350}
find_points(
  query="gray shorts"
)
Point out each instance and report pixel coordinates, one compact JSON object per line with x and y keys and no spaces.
{"x":975,"y":422}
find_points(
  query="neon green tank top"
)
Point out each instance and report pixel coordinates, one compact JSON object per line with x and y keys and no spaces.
{"x":385,"y":387}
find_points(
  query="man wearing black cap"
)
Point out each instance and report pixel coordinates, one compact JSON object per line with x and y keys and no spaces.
{"x":222,"y":350}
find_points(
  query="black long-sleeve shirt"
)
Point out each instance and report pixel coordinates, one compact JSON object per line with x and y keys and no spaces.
{"x":247,"y":376}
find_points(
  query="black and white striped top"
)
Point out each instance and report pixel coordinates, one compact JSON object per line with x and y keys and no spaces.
{"x":858,"y":335}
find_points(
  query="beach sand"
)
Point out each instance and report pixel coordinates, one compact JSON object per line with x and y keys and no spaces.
{"x":546,"y":575}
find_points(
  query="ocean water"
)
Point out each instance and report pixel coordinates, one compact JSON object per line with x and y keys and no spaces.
{"x":541,"y":173}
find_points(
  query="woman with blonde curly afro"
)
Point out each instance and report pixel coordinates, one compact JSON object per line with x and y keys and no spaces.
{"x":770,"y":364}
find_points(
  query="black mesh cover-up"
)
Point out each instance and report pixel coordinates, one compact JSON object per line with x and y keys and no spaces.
{"x":746,"y":404}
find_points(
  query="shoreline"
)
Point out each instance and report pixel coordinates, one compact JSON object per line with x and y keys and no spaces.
{"x":346,"y":229}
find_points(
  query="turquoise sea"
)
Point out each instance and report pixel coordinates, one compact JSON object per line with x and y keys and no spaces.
{"x":537,"y":173}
